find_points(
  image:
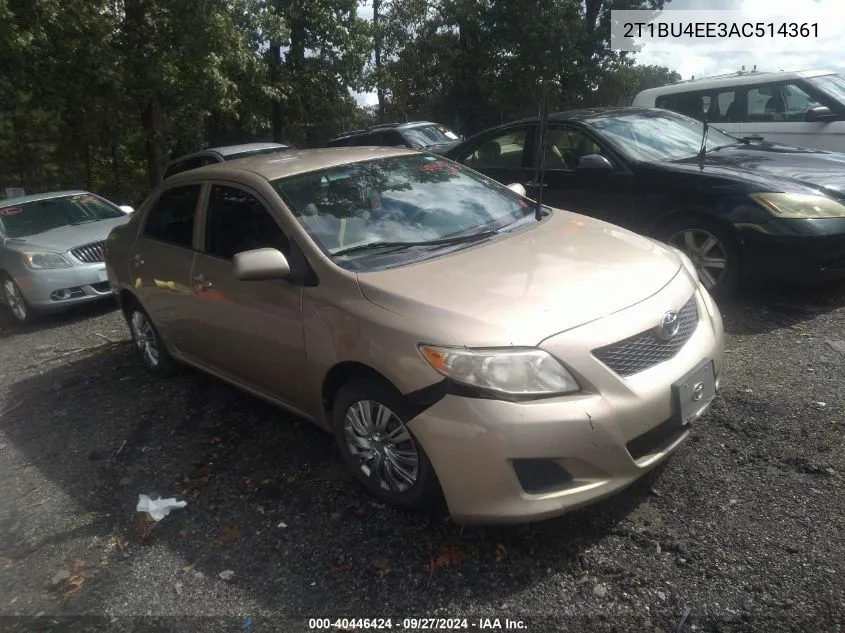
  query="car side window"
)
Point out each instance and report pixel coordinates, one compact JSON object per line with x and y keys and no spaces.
{"x":392,"y":139}
{"x":724,"y":107}
{"x":171,"y":220}
{"x":237,"y":221}
{"x":500,"y":152}
{"x":564,"y":147}
{"x":778,"y":102}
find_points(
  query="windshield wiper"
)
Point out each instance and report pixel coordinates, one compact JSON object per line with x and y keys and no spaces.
{"x":398,"y":245}
{"x":78,"y":222}
{"x":747,"y":140}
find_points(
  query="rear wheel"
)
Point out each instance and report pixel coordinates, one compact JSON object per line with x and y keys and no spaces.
{"x":382,"y":453}
{"x":151,"y":348}
{"x":713,"y":249}
{"x":15,"y":300}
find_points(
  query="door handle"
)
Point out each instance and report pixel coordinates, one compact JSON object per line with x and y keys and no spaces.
{"x":137,"y":260}
{"x":201,"y":282}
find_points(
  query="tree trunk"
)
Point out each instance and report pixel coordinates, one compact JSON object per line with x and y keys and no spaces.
{"x":378,"y":46}
{"x":115,"y":170}
{"x":151,"y":124}
{"x":278,"y":113}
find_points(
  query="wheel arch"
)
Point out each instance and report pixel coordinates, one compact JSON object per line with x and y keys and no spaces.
{"x":341,"y":374}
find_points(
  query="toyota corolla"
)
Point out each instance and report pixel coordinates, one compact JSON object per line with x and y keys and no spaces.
{"x":459,"y":342}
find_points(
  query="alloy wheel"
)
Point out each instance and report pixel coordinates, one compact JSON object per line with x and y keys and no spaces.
{"x":382,"y":446}
{"x":145,"y":338}
{"x":15,"y":300}
{"x":707,"y":253}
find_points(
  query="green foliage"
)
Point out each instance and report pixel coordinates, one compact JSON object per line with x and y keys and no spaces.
{"x":100,"y":94}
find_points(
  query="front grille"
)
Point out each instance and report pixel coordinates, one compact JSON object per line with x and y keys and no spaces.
{"x":641,"y":351}
{"x":89,"y":253}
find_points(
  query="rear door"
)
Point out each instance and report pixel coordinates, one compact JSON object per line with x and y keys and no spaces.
{"x":161,"y":258}
{"x":248,"y":331}
{"x":503,"y":155}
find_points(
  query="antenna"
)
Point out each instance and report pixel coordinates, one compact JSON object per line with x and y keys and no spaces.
{"x":541,"y":152}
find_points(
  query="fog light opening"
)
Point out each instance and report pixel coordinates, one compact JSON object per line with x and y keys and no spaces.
{"x":61,"y":295}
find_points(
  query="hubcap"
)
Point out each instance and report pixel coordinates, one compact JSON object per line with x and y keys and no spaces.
{"x":382,"y":446}
{"x":145,"y":338}
{"x":706,"y":252}
{"x":14,"y":299}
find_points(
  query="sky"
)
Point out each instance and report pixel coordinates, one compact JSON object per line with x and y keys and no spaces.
{"x":689,"y":62}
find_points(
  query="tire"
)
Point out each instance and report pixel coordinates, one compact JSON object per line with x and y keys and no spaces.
{"x":14,"y":299}
{"x":365,"y":398}
{"x":706,"y":241}
{"x":148,"y":342}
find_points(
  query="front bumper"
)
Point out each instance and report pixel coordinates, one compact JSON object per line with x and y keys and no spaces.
{"x":522,"y":461}
{"x":60,"y":288}
{"x":795,"y":250}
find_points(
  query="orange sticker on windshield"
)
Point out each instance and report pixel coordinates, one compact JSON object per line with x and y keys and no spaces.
{"x":10,"y":211}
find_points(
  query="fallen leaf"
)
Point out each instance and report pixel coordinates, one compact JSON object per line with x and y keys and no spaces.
{"x":501,"y":552}
{"x":226,"y":575}
{"x":74,"y":584}
{"x":292,"y":479}
{"x":187,"y":568}
{"x":178,"y":588}
{"x":232,"y":533}
{"x":446,"y":557}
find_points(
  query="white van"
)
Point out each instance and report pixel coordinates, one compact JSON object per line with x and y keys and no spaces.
{"x":803,"y":109}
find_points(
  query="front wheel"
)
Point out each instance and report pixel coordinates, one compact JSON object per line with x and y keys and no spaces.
{"x":15,"y":300}
{"x":382,"y":453}
{"x":713,"y":249}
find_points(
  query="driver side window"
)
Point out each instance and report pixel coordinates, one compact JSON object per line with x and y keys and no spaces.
{"x":564,"y":147}
{"x":237,"y":221}
{"x":500,"y":152}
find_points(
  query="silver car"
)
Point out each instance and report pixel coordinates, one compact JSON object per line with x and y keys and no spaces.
{"x":51,"y":250}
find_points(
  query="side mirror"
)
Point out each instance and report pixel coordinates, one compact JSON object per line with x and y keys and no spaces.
{"x":260,"y":264}
{"x":126,"y":209}
{"x":821,"y":113}
{"x":594,"y":161}
{"x":518,"y":188}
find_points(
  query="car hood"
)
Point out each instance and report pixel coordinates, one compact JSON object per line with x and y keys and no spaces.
{"x":524,"y":287}
{"x":67,"y":237}
{"x":776,"y":167}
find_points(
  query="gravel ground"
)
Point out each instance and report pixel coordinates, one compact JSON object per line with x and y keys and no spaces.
{"x":741,"y":531}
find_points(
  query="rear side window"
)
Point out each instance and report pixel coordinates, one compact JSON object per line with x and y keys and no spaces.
{"x":237,"y":221}
{"x":171,"y":220}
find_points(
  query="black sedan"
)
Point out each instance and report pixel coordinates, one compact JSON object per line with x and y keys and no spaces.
{"x":739,"y":209}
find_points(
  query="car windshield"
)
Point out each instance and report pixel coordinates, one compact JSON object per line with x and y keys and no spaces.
{"x":657,"y":135}
{"x":257,"y":152}
{"x":430,"y":135}
{"x":831,"y":85}
{"x":40,"y":216}
{"x":352,"y":209}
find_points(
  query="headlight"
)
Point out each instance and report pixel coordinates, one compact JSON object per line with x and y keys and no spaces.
{"x":511,"y":371}
{"x":799,"y":205}
{"x":45,"y":260}
{"x":687,"y":262}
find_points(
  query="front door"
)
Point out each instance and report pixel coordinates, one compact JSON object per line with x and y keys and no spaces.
{"x":606,"y":195}
{"x":248,"y":331}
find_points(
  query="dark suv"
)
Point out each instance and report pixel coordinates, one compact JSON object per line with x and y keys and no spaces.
{"x":416,"y":135}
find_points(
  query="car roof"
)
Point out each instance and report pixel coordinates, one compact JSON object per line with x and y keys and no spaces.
{"x":35,"y":197}
{"x":228,"y":150}
{"x":584,"y":114}
{"x":741,"y":78}
{"x":408,"y":125}
{"x":291,"y":163}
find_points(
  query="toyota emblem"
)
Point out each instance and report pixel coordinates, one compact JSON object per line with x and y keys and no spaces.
{"x":669,"y":325}
{"x":698,"y":392}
